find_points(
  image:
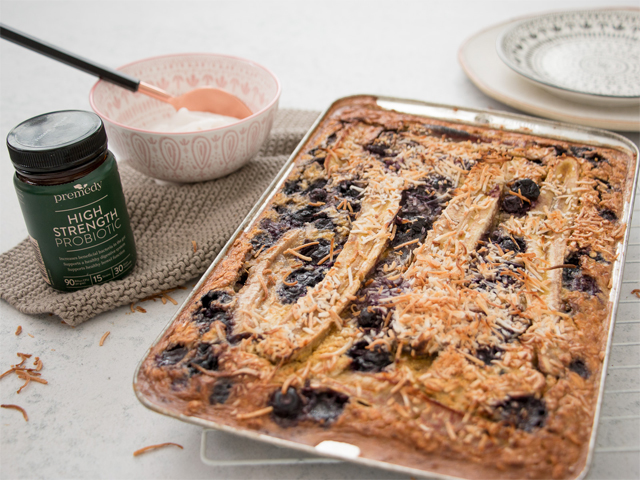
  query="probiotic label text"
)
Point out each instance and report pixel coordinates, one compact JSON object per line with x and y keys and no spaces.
{"x":80,"y":231}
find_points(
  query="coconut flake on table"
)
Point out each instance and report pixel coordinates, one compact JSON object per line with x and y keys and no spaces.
{"x":185,"y":120}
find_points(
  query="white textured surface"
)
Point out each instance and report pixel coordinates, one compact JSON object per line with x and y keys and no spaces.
{"x":86,"y":422}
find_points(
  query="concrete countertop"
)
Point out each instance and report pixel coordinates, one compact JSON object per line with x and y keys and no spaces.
{"x":86,"y":422}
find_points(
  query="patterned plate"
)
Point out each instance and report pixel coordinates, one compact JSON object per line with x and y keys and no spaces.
{"x":580,"y":52}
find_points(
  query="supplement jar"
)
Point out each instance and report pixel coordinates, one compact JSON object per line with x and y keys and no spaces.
{"x":71,"y":197}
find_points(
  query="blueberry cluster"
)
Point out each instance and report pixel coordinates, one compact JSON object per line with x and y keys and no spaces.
{"x":526,"y":413}
{"x":575,"y":279}
{"x":320,"y":405}
{"x":369,"y":360}
{"x":300,"y":281}
{"x":526,"y":188}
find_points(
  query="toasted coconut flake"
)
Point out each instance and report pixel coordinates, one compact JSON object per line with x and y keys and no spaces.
{"x":402,"y":245}
{"x":140,"y":309}
{"x":195,"y":246}
{"x":12,"y":369}
{"x":304,"y":246}
{"x":636,"y":292}
{"x":103,"y":338}
{"x":257,"y":413}
{"x":24,"y":357}
{"x":168,"y":297}
{"x":564,"y":265}
{"x":155,"y":447}
{"x":16,"y":407}
{"x":299,"y":255}
{"x":19,"y":330}
{"x":520,"y":196}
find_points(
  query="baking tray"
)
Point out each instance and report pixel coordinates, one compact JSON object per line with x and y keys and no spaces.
{"x":481,"y":118}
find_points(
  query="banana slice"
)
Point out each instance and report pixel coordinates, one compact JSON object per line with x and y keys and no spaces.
{"x":313,"y":316}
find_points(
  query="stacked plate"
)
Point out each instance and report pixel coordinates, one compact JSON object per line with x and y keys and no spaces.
{"x":578,"y":66}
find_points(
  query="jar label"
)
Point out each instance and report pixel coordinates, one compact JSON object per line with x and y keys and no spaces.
{"x":80,"y":231}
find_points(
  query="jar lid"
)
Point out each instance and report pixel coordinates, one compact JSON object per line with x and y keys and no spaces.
{"x":56,"y":141}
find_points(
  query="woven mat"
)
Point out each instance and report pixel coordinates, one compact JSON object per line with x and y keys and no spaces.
{"x":165,"y":221}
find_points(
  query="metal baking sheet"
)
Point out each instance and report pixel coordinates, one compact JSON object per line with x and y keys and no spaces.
{"x":481,"y":118}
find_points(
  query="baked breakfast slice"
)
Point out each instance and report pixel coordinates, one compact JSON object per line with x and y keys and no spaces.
{"x":436,"y":294}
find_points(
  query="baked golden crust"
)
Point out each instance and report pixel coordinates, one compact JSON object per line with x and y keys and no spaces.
{"x":434,"y":293}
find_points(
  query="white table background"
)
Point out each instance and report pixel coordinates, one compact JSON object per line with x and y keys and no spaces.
{"x":87,"y":422}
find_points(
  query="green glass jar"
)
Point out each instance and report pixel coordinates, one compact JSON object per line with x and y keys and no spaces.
{"x":71,"y":198}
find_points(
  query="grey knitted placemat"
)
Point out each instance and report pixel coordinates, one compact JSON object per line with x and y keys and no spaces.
{"x":165,"y":220}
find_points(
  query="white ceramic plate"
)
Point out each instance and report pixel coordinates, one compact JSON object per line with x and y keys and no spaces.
{"x":480,"y":61}
{"x":589,"y":55}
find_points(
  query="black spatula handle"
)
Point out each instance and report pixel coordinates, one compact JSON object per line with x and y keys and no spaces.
{"x":81,"y":63}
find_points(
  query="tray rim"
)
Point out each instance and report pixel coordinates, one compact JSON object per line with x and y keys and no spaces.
{"x":483,"y":118}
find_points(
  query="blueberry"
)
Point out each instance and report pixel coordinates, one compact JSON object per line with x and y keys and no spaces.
{"x":405,"y":232}
{"x":288,"y":405}
{"x":318,"y":195}
{"x":451,"y":134}
{"x":219,"y":296}
{"x":513,"y":204}
{"x":274,"y":228}
{"x":588,"y":154}
{"x":304,"y":215}
{"x":365,"y":360}
{"x":437,"y":182}
{"x":304,"y":278}
{"x":271,"y":232}
{"x":316,"y":185}
{"x":578,"y":366}
{"x":215,"y":313}
{"x":574,"y":279}
{"x":324,"y":406}
{"x":242,"y":279}
{"x":527,"y":188}
{"x":417,"y":202}
{"x":377,"y":149}
{"x":316,"y":252}
{"x":171,"y":356}
{"x":586,"y":284}
{"x":331,"y":139}
{"x":488,"y":353}
{"x":343,"y":189}
{"x":221,"y":391}
{"x":291,"y":187}
{"x":559,"y":151}
{"x":261,"y":240}
{"x":205,"y":357}
{"x":608,"y":215}
{"x":324,"y":223}
{"x":238,"y":337}
{"x":511,"y":244}
{"x":525,"y":413}
{"x":368,"y":319}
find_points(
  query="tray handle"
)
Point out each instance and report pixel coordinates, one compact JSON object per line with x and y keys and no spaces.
{"x":256,"y":462}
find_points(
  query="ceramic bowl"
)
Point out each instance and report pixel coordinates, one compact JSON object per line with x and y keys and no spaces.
{"x":586,"y":56}
{"x":194,"y":156}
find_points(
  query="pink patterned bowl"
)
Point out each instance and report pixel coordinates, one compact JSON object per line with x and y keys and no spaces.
{"x":195,"y":156}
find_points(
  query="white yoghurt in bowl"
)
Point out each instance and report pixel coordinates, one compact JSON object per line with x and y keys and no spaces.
{"x":184,"y":121}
